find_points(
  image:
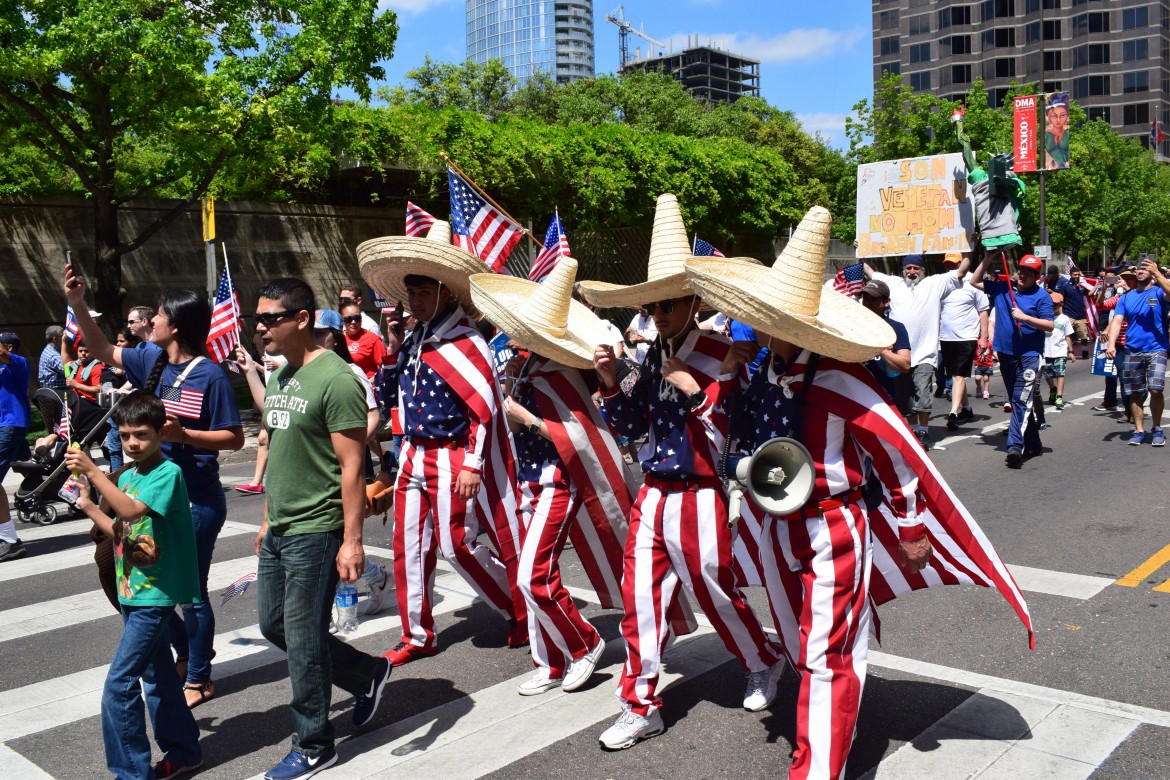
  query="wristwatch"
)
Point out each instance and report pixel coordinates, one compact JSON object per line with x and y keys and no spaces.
{"x":695,"y":400}
{"x":534,"y":427}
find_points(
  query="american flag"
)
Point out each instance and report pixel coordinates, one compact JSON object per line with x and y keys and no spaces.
{"x":1090,"y":286}
{"x":704,"y":249}
{"x":225,"y":320}
{"x":237,"y":588}
{"x":850,"y":279}
{"x":479,"y":227}
{"x":418,"y":221}
{"x":556,"y":246}
{"x":72,"y":331}
{"x":182,"y":402}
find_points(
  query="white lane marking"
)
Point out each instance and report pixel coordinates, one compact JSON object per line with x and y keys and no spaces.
{"x":1058,"y":583}
{"x":14,"y":766}
{"x":1054,"y":696}
{"x":498,"y":727}
{"x":80,"y":528}
{"x":80,"y":556}
{"x":72,"y":697}
{"x":995,"y":735}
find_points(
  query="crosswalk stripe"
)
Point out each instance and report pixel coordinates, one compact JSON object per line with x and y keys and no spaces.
{"x":1003,"y":735}
{"x":14,"y":766}
{"x":1058,"y":583}
{"x":80,"y":556}
{"x":52,"y":703}
{"x":499,"y":727}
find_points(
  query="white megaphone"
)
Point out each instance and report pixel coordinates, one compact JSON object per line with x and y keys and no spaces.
{"x":779,"y":476}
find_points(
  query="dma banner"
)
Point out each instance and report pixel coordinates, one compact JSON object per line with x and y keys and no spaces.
{"x":914,"y":206}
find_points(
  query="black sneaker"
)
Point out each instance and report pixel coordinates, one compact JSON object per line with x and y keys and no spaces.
{"x":924,"y":439}
{"x":366,"y":704}
{"x":965,"y":415}
{"x":1104,"y":408}
{"x":952,"y":422}
{"x":1014,"y":459}
{"x":10,"y":551}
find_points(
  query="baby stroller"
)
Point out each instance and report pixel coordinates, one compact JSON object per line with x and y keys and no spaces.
{"x":41,"y":479}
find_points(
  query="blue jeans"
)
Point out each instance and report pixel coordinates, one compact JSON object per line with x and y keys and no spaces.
{"x":192,"y":634}
{"x":295,"y":582}
{"x":114,"y":447}
{"x":143,"y":654}
{"x":1020,"y":373}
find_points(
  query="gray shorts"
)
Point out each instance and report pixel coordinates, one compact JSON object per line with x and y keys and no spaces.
{"x":922,"y":393}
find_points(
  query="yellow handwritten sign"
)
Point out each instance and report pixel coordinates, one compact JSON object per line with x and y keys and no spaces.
{"x":914,"y":206}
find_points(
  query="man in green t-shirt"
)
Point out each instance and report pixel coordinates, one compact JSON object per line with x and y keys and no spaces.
{"x":157,"y":569}
{"x":315,"y":415}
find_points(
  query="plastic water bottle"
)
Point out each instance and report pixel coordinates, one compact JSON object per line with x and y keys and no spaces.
{"x":345,"y":603}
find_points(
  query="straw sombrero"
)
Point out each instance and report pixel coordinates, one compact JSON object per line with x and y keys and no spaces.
{"x":385,"y":262}
{"x":666,"y":275}
{"x":542,"y":317}
{"x":788,"y":301}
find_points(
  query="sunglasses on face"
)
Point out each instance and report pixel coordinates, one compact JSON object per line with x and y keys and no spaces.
{"x":666,"y":307}
{"x":270,"y":318}
{"x":353,"y":319}
{"x":345,"y":300}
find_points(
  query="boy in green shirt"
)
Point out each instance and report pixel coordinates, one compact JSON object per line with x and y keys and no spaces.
{"x":156,"y":565}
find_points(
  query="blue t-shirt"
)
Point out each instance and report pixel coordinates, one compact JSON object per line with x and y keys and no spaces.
{"x":1145,"y":317}
{"x":878,"y":367}
{"x":204,"y":402}
{"x":14,"y":408}
{"x":1024,"y":340}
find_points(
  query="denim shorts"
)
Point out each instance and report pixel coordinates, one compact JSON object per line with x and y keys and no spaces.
{"x":13,"y":446}
{"x":1144,"y":371}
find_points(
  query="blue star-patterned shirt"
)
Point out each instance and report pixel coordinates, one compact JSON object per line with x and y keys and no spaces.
{"x":534,"y":452}
{"x":430,"y":408}
{"x":765,"y":410}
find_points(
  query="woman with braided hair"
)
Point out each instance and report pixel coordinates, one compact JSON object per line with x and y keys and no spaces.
{"x":202,"y":419}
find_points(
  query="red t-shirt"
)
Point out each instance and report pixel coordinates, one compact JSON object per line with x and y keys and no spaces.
{"x":367,"y":351}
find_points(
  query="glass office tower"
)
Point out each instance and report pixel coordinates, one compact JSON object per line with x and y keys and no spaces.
{"x":550,"y":36}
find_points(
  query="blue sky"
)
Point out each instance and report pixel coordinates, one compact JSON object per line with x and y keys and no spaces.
{"x":816,"y":57}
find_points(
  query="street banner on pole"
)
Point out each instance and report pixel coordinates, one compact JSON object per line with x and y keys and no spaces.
{"x":1024,"y":133}
{"x":1056,"y":131}
{"x":914,"y":206}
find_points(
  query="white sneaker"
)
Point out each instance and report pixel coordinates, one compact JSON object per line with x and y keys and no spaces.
{"x":581,"y":670}
{"x":629,"y":728}
{"x":380,"y":593}
{"x":761,"y":687}
{"x":539,"y":683}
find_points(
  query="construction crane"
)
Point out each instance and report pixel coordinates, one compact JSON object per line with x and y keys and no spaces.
{"x":624,"y":29}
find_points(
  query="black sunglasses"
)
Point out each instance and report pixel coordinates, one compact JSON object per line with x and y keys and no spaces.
{"x":666,"y":307}
{"x":344,"y":301}
{"x":270,"y":318}
{"x":353,"y":318}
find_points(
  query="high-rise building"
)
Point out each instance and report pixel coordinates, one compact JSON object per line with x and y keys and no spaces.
{"x":553,"y":37}
{"x":1112,"y":56}
{"x":707,"y":72}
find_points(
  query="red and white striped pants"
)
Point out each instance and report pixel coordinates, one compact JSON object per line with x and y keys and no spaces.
{"x":557,"y":630}
{"x":681,"y":538}
{"x":816,"y":572}
{"x":429,"y":515}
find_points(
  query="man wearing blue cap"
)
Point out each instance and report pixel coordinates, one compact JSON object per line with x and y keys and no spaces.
{"x":916,"y":302}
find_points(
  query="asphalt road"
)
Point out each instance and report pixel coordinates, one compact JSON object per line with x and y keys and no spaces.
{"x":953,"y":690}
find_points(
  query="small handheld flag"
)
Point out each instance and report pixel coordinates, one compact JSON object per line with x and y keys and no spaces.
{"x":418,"y":221}
{"x":705,"y":249}
{"x":237,"y":588}
{"x":225,"y":320}
{"x":556,"y":246}
{"x":72,"y":330}
{"x":850,"y":279}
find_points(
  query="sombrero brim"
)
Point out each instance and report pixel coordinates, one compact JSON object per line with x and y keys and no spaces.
{"x":635,"y":296}
{"x":504,"y":300}
{"x":385,"y":262}
{"x":843,"y":328}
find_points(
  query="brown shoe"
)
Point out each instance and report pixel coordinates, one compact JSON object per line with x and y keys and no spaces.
{"x":197,"y":693}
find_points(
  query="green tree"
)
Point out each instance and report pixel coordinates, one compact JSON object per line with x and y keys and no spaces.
{"x":468,"y":86}
{"x":138,"y":98}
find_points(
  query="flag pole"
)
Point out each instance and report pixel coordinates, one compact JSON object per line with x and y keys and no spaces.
{"x":488,"y":198}
{"x":227,"y":268}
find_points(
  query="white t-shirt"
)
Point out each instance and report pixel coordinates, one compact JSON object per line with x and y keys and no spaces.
{"x":644,"y":327}
{"x":371,"y":324}
{"x":615,"y":334}
{"x":960,"y":313}
{"x":919,"y":308}
{"x":1056,"y":343}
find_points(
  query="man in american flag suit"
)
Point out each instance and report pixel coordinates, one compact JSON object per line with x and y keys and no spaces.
{"x":873,"y":482}
{"x":678,"y":535}
{"x":457,"y":464}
